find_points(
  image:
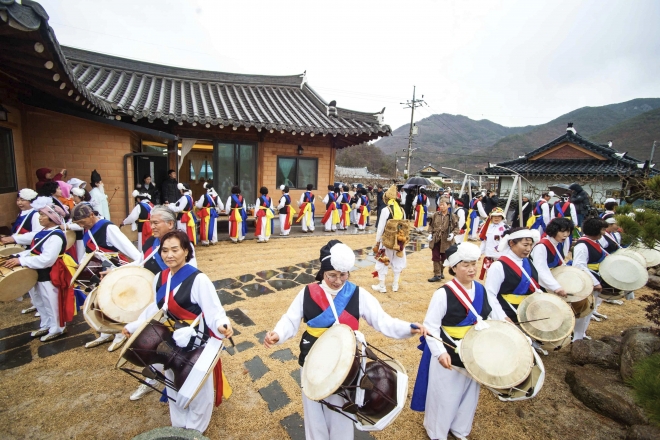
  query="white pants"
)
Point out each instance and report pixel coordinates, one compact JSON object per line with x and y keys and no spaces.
{"x":321,"y":423}
{"x":474,"y":228}
{"x":181,"y":226}
{"x":80,"y":250}
{"x":38,"y":303}
{"x":306,"y":226}
{"x":50,"y":298}
{"x":262,"y":233}
{"x":397,"y":264}
{"x":329,"y":226}
{"x":581,"y":324}
{"x":198,"y":414}
{"x":451,"y":402}
{"x":283,"y":225}
{"x":139,"y":242}
{"x":353,"y":216}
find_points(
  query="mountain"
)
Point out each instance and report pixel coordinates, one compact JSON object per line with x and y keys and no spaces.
{"x":589,"y":122}
{"x":457,"y":141}
{"x":635,"y":135}
{"x":452,"y":137}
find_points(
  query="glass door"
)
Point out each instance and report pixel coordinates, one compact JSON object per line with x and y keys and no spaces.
{"x":236,"y":164}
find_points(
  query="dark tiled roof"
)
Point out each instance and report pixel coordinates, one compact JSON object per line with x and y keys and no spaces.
{"x":122,"y":87}
{"x":612,"y":166}
{"x":144,"y":90}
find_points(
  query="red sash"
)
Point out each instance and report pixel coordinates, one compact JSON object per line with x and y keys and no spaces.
{"x":317,"y":294}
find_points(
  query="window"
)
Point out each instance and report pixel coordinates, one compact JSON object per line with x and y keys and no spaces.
{"x":8,"y":182}
{"x":296,"y":172}
{"x":204,"y":172}
{"x":236,"y":164}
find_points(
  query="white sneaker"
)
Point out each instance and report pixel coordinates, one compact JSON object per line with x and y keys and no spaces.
{"x":595,"y":318}
{"x":617,"y":302}
{"x":599,"y":315}
{"x":395,"y":287}
{"x":379,"y":288}
{"x":118,"y":342}
{"x":141,"y":391}
{"x":28,"y":310}
{"x":588,"y":338}
{"x":37,"y":315}
{"x":51,"y":336}
{"x":540,"y":350}
{"x":40,"y":332}
{"x":98,"y":341}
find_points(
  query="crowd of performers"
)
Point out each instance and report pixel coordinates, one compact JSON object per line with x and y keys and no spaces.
{"x":515,"y":263}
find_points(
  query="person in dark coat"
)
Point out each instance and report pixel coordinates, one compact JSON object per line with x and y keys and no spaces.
{"x":46,"y":175}
{"x":490,"y":201}
{"x":527,"y":210}
{"x":411,"y":193}
{"x":380,"y":204}
{"x":169,"y":192}
{"x":581,"y":200}
{"x":148,"y":187}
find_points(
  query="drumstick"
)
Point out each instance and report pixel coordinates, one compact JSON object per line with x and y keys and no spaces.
{"x":230,"y":339}
{"x":438,"y":339}
{"x":532,"y":320}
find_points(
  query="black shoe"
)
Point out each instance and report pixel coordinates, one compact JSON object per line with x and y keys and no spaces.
{"x":434,"y":279}
{"x":442,"y":276}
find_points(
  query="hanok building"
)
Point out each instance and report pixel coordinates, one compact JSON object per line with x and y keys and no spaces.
{"x":80,"y":110}
{"x":601,"y":170}
{"x":433,"y":173}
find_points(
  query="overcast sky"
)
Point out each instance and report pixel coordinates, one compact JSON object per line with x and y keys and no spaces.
{"x":513,"y":62}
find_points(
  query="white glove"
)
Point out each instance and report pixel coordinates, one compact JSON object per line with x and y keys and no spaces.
{"x":430,"y":237}
{"x":182,"y":336}
{"x":450,"y":237}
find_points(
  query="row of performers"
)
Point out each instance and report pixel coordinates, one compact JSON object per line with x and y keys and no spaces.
{"x":516,"y":275}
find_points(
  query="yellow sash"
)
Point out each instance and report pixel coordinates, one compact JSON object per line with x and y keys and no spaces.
{"x":396,"y":210}
{"x":456,"y":332}
{"x":306,"y":212}
{"x":269,"y":215}
{"x":316,"y":332}
{"x":595,"y":266}
{"x":512,"y":298}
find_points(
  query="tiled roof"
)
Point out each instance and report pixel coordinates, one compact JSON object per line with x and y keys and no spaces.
{"x":144,"y":90}
{"x":357,"y":172}
{"x":615,"y":164}
{"x":137,"y":90}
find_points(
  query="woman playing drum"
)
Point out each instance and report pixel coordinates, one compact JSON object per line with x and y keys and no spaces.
{"x":312,"y":306}
{"x":55,"y":301}
{"x":191,"y":293}
{"x":552,"y":251}
{"x":450,"y":396}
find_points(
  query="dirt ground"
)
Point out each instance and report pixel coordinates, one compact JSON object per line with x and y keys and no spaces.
{"x":79,"y":395}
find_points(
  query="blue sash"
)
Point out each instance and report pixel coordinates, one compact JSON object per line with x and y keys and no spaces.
{"x":418,"y":400}
{"x":308,"y":199}
{"x":327,"y":318}
{"x":191,"y":205}
{"x":523,"y":286}
{"x":176,"y":281}
{"x":155,"y":247}
{"x":266,"y":201}
{"x":239,"y":205}
{"x":19,"y":221}
{"x":87,"y":236}
{"x":146,"y":206}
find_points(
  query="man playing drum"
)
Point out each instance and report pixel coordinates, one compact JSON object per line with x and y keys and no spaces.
{"x":312,"y":306}
{"x":191,"y":295}
{"x":552,"y":251}
{"x":103,"y":237}
{"x":23,"y":230}
{"x":54,"y":299}
{"x":448,"y":396}
{"x":513,"y":277}
{"x":587,"y":254}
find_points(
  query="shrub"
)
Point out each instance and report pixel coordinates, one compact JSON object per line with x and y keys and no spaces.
{"x":646,"y":385}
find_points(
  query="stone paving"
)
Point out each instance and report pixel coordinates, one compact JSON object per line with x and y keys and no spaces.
{"x":15,"y":350}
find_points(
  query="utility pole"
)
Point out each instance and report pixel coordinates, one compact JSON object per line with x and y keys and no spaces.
{"x":412,"y":105}
{"x":652,"y":153}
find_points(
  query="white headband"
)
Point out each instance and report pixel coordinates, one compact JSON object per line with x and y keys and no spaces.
{"x":523,"y":233}
{"x":466,"y":252}
{"x":27,"y":194}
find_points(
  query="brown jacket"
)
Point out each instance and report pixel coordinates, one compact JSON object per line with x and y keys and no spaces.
{"x":440,"y":226}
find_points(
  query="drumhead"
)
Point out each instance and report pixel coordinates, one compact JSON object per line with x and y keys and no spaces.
{"x":576,"y":282}
{"x":96,"y":319}
{"x":529,"y":388}
{"x":328,"y":362}
{"x":16,"y":282}
{"x":125,"y":292}
{"x":552,"y":319}
{"x":499,"y":356}
{"x":632,"y":254}
{"x":70,"y":238}
{"x":652,"y":256}
{"x":10,"y":249}
{"x":623,"y":272}
{"x":81,"y":266}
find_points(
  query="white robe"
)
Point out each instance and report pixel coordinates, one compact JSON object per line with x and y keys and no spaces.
{"x":452,"y":397}
{"x":198,"y":414}
{"x":493,"y":235}
{"x":133,"y":218}
{"x":100,"y":201}
{"x":26,"y":239}
{"x":571,"y":212}
{"x":219,"y":208}
{"x":397,"y":263}
{"x":539,"y":256}
{"x":283,"y":229}
{"x":45,"y":296}
{"x":179,"y":206}
{"x":580,"y":258}
{"x":474,"y":225}
{"x":261,"y":234}
{"x":320,"y":422}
